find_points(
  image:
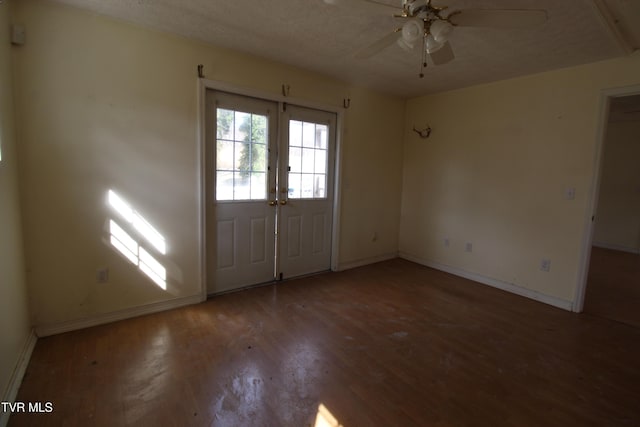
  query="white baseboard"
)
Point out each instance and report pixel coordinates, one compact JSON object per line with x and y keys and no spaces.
{"x":100,"y":319}
{"x":617,"y":248}
{"x":495,"y":283}
{"x":366,"y":261}
{"x":18,"y":375}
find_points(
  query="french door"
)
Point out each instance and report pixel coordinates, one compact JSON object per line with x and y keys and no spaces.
{"x":269,"y":186}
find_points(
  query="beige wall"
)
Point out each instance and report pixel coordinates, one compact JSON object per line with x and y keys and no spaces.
{"x":107,"y":105}
{"x":495,"y":171}
{"x":618,"y":214}
{"x":371,"y":178}
{"x":15,"y":325}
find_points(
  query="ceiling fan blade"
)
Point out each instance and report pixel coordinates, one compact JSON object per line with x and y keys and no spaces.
{"x":499,"y":18}
{"x":376,"y":3}
{"x":381,"y":3}
{"x":377,"y":46}
{"x":443,"y":55}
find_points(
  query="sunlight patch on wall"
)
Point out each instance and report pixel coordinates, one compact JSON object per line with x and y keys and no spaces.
{"x":139,"y":223}
{"x":121,"y":240}
{"x":152,"y":268}
{"x":132,"y":248}
{"x":325,"y":418}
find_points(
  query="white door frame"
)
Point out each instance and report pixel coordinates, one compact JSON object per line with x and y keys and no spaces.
{"x":202,"y":86}
{"x":594,"y":193}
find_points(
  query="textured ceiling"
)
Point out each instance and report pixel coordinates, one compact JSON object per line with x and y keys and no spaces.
{"x":322,"y":37}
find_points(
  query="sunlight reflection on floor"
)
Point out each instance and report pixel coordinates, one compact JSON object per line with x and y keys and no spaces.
{"x":325,"y":418}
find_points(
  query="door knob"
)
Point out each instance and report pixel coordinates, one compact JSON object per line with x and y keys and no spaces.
{"x":283,"y":202}
{"x":272,"y":203}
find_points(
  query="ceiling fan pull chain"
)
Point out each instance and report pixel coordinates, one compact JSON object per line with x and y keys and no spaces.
{"x":423,"y":65}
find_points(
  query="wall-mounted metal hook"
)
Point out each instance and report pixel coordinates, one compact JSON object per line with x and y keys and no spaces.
{"x":201,"y":71}
{"x":346,"y":103}
{"x":285,"y":90}
{"x":424,"y":133}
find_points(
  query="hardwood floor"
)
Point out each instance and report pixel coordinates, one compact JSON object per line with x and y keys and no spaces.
{"x":391,"y":344}
{"x":613,"y":286}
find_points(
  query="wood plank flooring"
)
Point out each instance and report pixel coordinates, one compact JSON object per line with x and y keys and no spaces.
{"x":391,"y":344}
{"x":613,"y":286}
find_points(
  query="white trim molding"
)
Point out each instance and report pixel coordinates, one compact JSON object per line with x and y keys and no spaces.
{"x":18,"y":374}
{"x":620,"y":248}
{"x":365,"y":261}
{"x":101,"y":319}
{"x":494,"y":283}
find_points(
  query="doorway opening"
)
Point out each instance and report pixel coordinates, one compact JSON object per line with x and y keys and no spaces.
{"x":612,"y":282}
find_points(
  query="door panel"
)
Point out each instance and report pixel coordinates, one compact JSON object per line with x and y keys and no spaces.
{"x":319,"y":233}
{"x":306,"y":240}
{"x":240,"y":164}
{"x":259,"y":240}
{"x":293,"y":236}
{"x":226,"y":244}
{"x":245,"y":245}
{"x":305,"y":179}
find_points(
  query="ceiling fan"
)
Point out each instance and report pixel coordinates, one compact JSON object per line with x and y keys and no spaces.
{"x":430,"y":26}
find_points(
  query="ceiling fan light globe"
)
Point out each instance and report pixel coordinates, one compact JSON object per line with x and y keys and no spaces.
{"x":411,"y":31}
{"x":441,"y":30}
{"x":405,"y":45}
{"x":432,"y":45}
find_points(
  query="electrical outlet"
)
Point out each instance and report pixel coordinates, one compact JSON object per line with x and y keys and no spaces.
{"x":545,"y":265}
{"x":446,"y":242}
{"x":102,"y":275}
{"x":374,"y":238}
{"x":468,"y":247}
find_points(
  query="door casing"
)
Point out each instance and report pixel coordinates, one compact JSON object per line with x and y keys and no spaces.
{"x":202,"y":86}
{"x":589,"y":223}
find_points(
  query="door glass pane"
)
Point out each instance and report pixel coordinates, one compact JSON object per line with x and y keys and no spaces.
{"x":321,"y":136}
{"x":308,"y":161}
{"x":295,"y":133}
{"x":258,"y":188}
{"x":259,"y":157}
{"x":321,"y":161}
{"x":224,"y":185}
{"x":294,"y":185}
{"x":259,"y":129}
{"x":224,"y":155}
{"x":224,"y":124}
{"x":308,"y":134}
{"x":241,"y":155}
{"x":241,"y":186}
{"x":308,"y":156}
{"x":295,"y":159}
{"x":306,"y":187}
{"x":242,"y":124}
{"x":319,"y":181}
